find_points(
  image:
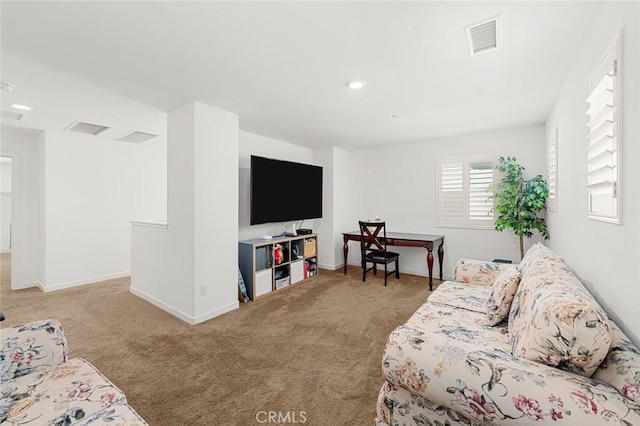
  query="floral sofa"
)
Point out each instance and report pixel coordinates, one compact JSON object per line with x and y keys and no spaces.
{"x":507,"y":344}
{"x":41,"y":386}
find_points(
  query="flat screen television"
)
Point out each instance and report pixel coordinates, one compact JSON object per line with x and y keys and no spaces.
{"x":283,"y":191}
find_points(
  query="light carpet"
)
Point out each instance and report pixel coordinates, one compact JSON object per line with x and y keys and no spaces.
{"x":315,"y":347}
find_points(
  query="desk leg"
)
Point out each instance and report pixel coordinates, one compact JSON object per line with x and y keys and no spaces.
{"x":441,"y":257}
{"x":430,"y":265}
{"x":345,"y":252}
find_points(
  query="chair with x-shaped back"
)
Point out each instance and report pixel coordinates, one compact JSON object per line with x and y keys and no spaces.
{"x":373,"y":247}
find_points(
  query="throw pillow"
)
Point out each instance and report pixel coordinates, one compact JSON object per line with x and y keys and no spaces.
{"x":479,"y":272}
{"x":503,"y":291}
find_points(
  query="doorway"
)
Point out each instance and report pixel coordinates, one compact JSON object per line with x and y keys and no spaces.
{"x":6,"y":220}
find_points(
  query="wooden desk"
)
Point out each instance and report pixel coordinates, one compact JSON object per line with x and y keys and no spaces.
{"x":402,"y":239}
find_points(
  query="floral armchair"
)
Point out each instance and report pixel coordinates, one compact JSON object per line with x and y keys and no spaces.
{"x":40,"y":385}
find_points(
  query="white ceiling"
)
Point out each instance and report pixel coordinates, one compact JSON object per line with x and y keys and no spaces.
{"x":283,"y":66}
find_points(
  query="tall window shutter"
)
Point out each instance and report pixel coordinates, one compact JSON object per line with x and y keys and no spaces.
{"x":452,"y":204}
{"x":552,"y":171}
{"x":603,"y":137}
{"x":463,"y":199}
{"x":480,"y":181}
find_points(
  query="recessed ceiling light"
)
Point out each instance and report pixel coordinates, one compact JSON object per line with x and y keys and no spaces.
{"x":356,"y":84}
{"x":21,"y":107}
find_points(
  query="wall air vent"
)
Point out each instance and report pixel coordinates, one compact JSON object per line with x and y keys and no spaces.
{"x":12,"y":115}
{"x":483,"y":36}
{"x":135,"y":136}
{"x":88,"y":128}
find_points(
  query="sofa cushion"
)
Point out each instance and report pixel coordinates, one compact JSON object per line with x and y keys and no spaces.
{"x":479,"y":272}
{"x":502,"y":293}
{"x":554,"y":320}
{"x":37,"y":346}
{"x":621,"y":367}
{"x":466,"y":296}
{"x":114,"y":415}
{"x":66,"y":394}
{"x":537,"y":259}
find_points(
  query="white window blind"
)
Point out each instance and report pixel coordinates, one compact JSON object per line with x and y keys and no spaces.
{"x":463,"y":192}
{"x":552,"y":171}
{"x":603,"y":137}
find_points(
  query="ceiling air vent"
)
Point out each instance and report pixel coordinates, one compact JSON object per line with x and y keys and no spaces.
{"x":135,"y":136}
{"x":11,"y":114}
{"x":88,"y":128}
{"x":6,"y":87}
{"x":484,"y":36}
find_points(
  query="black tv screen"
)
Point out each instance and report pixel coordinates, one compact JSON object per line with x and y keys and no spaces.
{"x":283,"y":191}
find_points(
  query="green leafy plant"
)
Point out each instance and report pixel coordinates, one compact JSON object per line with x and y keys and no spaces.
{"x":519,"y":202}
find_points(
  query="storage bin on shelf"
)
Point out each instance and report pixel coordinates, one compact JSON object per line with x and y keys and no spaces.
{"x":309,"y":247}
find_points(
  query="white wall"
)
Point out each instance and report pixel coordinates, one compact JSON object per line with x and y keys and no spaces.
{"x":252,"y":144}
{"x":5,"y":175}
{"x":324,"y":227}
{"x":94,"y":188}
{"x":215,"y":211}
{"x":197,"y":245}
{"x":42,"y":205}
{"x":398,"y":183}
{"x":605,"y":257}
{"x":26,"y":146}
{"x":335,"y":163}
{"x":89,"y":187}
{"x":5,"y":204}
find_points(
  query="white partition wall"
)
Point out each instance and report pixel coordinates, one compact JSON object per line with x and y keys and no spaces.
{"x":187,"y":265}
{"x":335,"y":219}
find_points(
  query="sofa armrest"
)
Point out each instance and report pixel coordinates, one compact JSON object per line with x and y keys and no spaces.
{"x":491,"y":385}
{"x":479,"y":272}
{"x":35,"y":346}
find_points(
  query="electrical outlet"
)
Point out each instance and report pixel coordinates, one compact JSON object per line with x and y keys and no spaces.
{"x":203,"y":290}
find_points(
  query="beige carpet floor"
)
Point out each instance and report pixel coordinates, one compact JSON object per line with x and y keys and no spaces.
{"x":314,"y":347}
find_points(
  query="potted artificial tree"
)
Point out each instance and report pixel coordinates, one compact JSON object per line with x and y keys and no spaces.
{"x":519,"y":201}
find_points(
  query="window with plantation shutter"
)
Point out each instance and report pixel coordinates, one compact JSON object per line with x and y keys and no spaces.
{"x":603,"y":137}
{"x":552,"y":171}
{"x":451,"y":191}
{"x":464,"y":184}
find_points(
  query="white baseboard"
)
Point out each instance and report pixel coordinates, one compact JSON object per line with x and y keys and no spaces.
{"x":22,"y":286}
{"x":160,"y":304}
{"x":5,"y":251}
{"x":178,"y":313}
{"x":436,"y":274}
{"x":55,"y":287}
{"x":329,"y":266}
{"x":216,"y":312}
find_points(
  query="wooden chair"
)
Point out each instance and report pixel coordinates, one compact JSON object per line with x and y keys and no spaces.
{"x":373,"y":247}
